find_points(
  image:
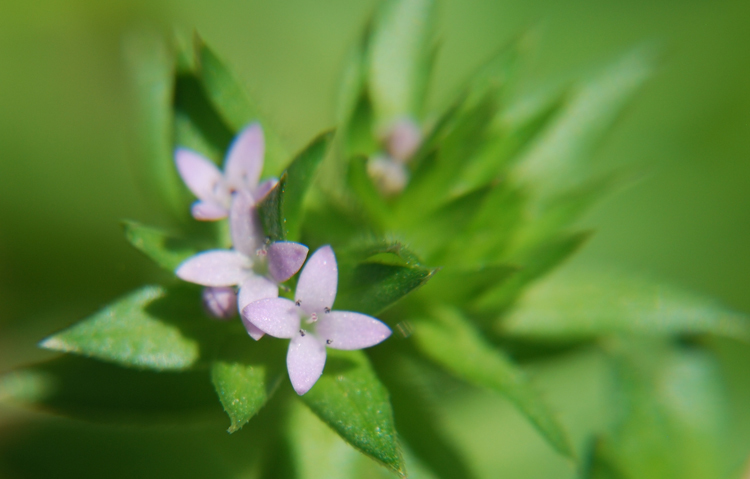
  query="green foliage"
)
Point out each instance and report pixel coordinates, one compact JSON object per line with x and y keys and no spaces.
{"x":352,"y":401}
{"x":165,"y":250}
{"x":147,"y":329}
{"x":451,"y":341}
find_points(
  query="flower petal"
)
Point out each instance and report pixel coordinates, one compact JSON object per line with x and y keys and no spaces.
{"x":201,"y":176}
{"x":220,"y":302}
{"x":346,"y":330}
{"x":255,"y":288}
{"x":285,"y":258}
{"x":278,"y":317}
{"x":214,"y":268}
{"x":244,"y":161}
{"x":244,"y":225}
{"x":264,"y":188}
{"x":316,"y":289}
{"x":208,"y":211}
{"x":305,"y":361}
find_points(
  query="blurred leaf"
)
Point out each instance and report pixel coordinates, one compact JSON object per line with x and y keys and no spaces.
{"x":597,"y":465}
{"x":246,"y":375}
{"x":368,"y":197}
{"x":584,"y":304}
{"x":281,"y":210}
{"x":671,"y":413}
{"x":372,"y":276}
{"x":101,"y":392}
{"x":400,"y":57}
{"x":230,"y":99}
{"x":560,"y":159}
{"x":351,"y":400}
{"x":165,"y":250}
{"x":147,"y":329}
{"x":452,"y":342}
{"x":416,"y":414}
{"x":151,"y":67}
{"x":454,"y":285}
{"x":532,"y":265}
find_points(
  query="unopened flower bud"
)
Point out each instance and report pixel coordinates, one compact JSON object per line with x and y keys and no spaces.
{"x":389,"y":176}
{"x":220,"y":302}
{"x":403,"y":139}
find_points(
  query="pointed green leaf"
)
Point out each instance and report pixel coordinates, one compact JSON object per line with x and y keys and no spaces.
{"x":597,"y":465}
{"x":232,"y":102}
{"x":281,"y":210}
{"x":533,"y":264}
{"x":455,"y":285}
{"x":164,"y":249}
{"x":580,"y":304}
{"x":151,"y":328}
{"x":151,"y":67}
{"x":351,"y":400}
{"x":453,"y":343}
{"x":400,"y":54}
{"x":246,"y":374}
{"x":101,"y":392}
{"x":368,"y":197}
{"x":375,"y":274}
{"x":559,"y":159}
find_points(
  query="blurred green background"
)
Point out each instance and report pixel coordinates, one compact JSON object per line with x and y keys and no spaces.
{"x":66,"y":156}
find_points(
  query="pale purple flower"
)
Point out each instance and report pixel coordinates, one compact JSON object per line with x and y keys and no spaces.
{"x":403,"y":139}
{"x":310,"y":324}
{"x":214,"y":188}
{"x":389,"y":172}
{"x":252,"y":265}
{"x":220,"y":302}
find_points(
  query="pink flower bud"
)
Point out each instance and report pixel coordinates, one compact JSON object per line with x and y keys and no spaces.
{"x":220,"y":302}
{"x":403,"y":139}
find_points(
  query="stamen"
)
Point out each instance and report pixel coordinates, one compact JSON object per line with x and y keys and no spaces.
{"x":298,"y":302}
{"x":329,"y":341}
{"x":301,"y":332}
{"x":326,"y":310}
{"x":313,"y":317}
{"x":261,"y":252}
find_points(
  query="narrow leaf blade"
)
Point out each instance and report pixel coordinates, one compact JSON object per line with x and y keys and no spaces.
{"x":151,"y":328}
{"x":452,"y":342}
{"x":351,"y":400}
{"x":165,"y":250}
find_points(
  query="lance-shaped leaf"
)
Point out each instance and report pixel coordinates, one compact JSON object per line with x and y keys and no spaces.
{"x":151,"y":67}
{"x":582,"y":304}
{"x":246,"y":375}
{"x":151,"y":328}
{"x":281,"y":210}
{"x":373,"y":276}
{"x":560,"y":159}
{"x":101,"y":392}
{"x":670,"y":417}
{"x":164,"y":249}
{"x":234,"y":105}
{"x":369,"y":199}
{"x":459,"y":286}
{"x":452,"y":342}
{"x":400,"y":56}
{"x":351,"y":400}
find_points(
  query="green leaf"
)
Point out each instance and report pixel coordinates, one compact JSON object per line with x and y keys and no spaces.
{"x":400,"y":55}
{"x":581,"y":304}
{"x":452,"y":342}
{"x":281,"y":210}
{"x":164,"y":249}
{"x":232,"y":102}
{"x":101,"y":392}
{"x":151,"y":328}
{"x":368,"y":197}
{"x":373,"y":276}
{"x":459,"y":286}
{"x":560,"y":159}
{"x":150,"y":64}
{"x":246,"y":375}
{"x":351,"y":400}
{"x":533,"y":264}
{"x":670,"y":418}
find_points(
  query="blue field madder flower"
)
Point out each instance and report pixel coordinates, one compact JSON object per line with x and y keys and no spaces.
{"x":311,"y":324}
{"x":242,"y":168}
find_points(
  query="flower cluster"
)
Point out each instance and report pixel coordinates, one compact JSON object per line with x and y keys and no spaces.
{"x":257,"y":267}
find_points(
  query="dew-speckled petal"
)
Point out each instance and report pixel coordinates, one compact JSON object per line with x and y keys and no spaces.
{"x":201,"y":176}
{"x":214,"y":268}
{"x":244,"y":225}
{"x":347,"y":330}
{"x":244,"y":162}
{"x":285,"y":258}
{"x":208,"y":211}
{"x":278,"y":317}
{"x":316,"y":288}
{"x":305,"y":361}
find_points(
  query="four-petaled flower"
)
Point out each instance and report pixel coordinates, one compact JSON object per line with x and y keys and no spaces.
{"x":214,"y":189}
{"x":256,"y":267}
{"x":310,"y":324}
